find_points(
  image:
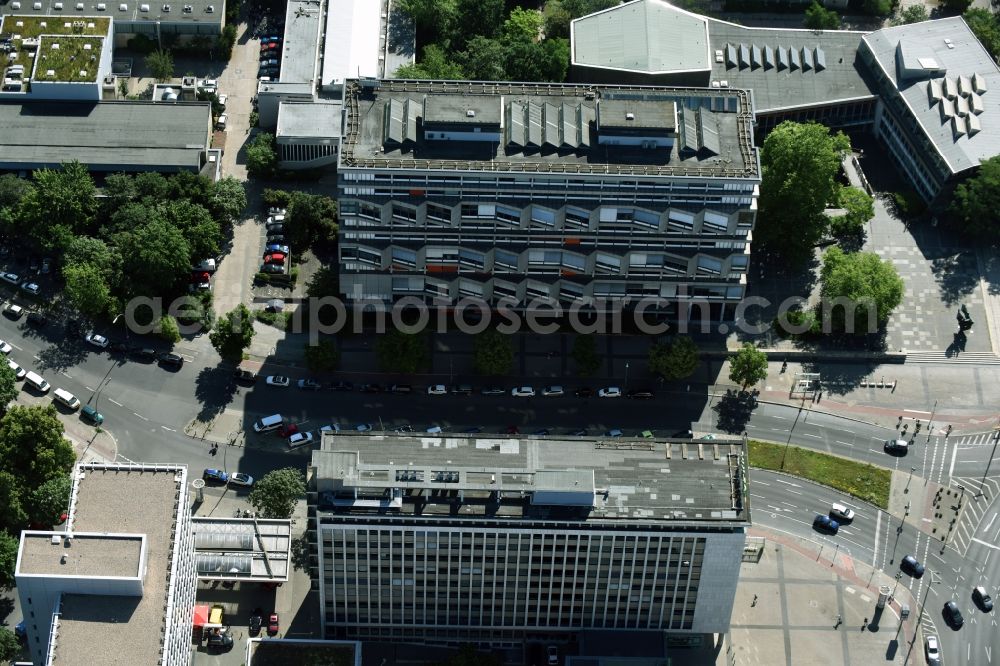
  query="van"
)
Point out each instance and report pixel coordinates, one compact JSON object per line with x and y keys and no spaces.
{"x":401,"y":388}
{"x":268,"y":423}
{"x":220,"y":123}
{"x":206,"y":266}
{"x":35,"y":380}
{"x":88,"y":413}
{"x":66,"y":398}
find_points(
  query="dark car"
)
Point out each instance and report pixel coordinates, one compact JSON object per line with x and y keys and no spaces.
{"x":952,"y":615}
{"x":220,"y":642}
{"x":37,"y":319}
{"x":462,"y":389}
{"x":911,"y":567}
{"x":342,"y":386}
{"x":584,"y":392}
{"x":172,"y":361}
{"x":272,"y":624}
{"x":512,"y":430}
{"x":371,"y":388}
{"x":144,"y":354}
{"x":982,"y":599}
{"x":244,"y":375}
{"x":474,"y":430}
{"x":493,"y":390}
{"x":256,"y":621}
{"x":825,"y":524}
{"x":90,"y":414}
{"x":215,"y":476}
{"x":640,"y":394}
{"x":682,"y":434}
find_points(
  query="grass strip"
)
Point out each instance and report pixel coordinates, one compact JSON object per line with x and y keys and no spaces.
{"x":862,"y":480}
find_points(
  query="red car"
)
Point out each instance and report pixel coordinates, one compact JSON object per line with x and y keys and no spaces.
{"x":200,"y":276}
{"x":274,"y":258}
{"x":272,"y":624}
{"x":288,"y":430}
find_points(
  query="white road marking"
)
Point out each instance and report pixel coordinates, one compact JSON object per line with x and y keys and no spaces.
{"x":37,"y":358}
{"x":88,"y":388}
{"x":140,"y":416}
{"x":16,"y":347}
{"x":915,"y":411}
{"x":951,"y":469}
{"x":760,"y":483}
{"x":783,"y":418}
{"x":987,"y":648}
{"x":986,"y":543}
{"x":808,"y":435}
{"x":166,"y":428}
{"x":65,"y":374}
{"x":788,"y":483}
{"x":844,"y":443}
{"x":878,"y":530}
{"x":115,"y":402}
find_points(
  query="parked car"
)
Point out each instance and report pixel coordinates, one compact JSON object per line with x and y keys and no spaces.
{"x":584,"y":392}
{"x":523,"y":392}
{"x":609,"y":392}
{"x":911,"y":567}
{"x":144,"y":353}
{"x":19,"y":372}
{"x":172,"y":361}
{"x":209,"y":84}
{"x":553,"y":391}
{"x":276,"y":211}
{"x":288,"y":429}
{"x":276,"y":258}
{"x":241,"y":479}
{"x":300,"y":439}
{"x":493,"y":390}
{"x":400,"y":389}
{"x":88,"y":413}
{"x":474,"y":430}
{"x":932,"y":651}
{"x":13,"y":278}
{"x":200,"y":276}
{"x":370,"y":388}
{"x":277,"y":247}
{"x":272,"y":624}
{"x":33,"y":264}
{"x":13,"y":311}
{"x":5,"y":347}
{"x":31,"y":288}
{"x":275,"y":220}
{"x":46,"y":266}
{"x":952,"y":615}
{"x":222,"y":100}
{"x":272,"y":268}
{"x":364,"y":427}
{"x":37,"y":319}
{"x":462,"y":389}
{"x":221,"y":122}
{"x":982,"y":599}
{"x":244,"y":375}
{"x":256,"y":621}
{"x":512,"y":430}
{"x":278,"y":380}
{"x":274,"y":305}
{"x":221,"y":642}
{"x":342,"y":386}
{"x":553,"y":655}
{"x":825,"y":524}
{"x":96,"y":340}
{"x":215,"y":476}
{"x":437,"y":389}
{"x":640,"y":394}
{"x":614,"y":432}
{"x":309,"y":385}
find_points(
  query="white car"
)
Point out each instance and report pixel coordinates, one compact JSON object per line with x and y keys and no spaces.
{"x":19,"y":372}
{"x":5,"y":347}
{"x":523,"y":392}
{"x":98,"y":341}
{"x":437,"y":389}
{"x":329,"y":428}
{"x":933,"y":651}
{"x":31,"y":288}
{"x":13,"y":278}
{"x":841,"y":512}
{"x":241,"y":479}
{"x":13,"y":311}
{"x":278,"y":380}
{"x":221,"y":122}
{"x":609,"y":392}
{"x":553,"y":655}
{"x":276,"y":211}
{"x":223,"y":99}
{"x":209,"y":84}
{"x":300,"y":439}
{"x":553,"y":391}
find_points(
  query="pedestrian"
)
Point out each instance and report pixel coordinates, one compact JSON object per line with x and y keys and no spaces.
{"x":754,"y":602}
{"x":864,"y":624}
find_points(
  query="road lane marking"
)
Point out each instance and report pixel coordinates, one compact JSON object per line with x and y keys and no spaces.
{"x":951,"y":469}
{"x":878,"y":530}
{"x":808,"y":435}
{"x":844,"y":443}
{"x":986,"y":543}
{"x":166,"y":428}
{"x":788,"y":483}
{"x":783,"y":418}
{"x":140,"y":416}
{"x":115,"y":402}
{"x":65,"y":374}
{"x":37,"y":357}
{"x":89,"y":389}
{"x":760,"y":483}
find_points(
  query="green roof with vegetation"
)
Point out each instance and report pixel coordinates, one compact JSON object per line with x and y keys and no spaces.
{"x":70,"y":33}
{"x":70,"y":59}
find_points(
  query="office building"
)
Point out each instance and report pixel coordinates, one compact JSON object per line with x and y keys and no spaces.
{"x":500,"y":539}
{"x":116,"y":585}
{"x":517,"y":192}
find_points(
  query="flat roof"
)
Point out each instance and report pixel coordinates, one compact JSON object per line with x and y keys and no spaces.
{"x":642,"y":36}
{"x":309,"y":120}
{"x":104,"y":135}
{"x":568,"y":112}
{"x":353,"y":42}
{"x":92,"y":627}
{"x":948,"y":82}
{"x":248,"y":549}
{"x":528,"y":478}
{"x":83,"y":555}
{"x":70,"y":46}
{"x":178,"y":12}
{"x":300,"y":48}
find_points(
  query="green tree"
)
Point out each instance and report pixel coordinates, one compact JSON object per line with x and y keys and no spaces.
{"x":432,"y":18}
{"x":12,"y":190}
{"x":161,"y":65}
{"x":955,"y":6}
{"x":324,"y":282}
{"x":876,"y":8}
{"x":819,"y":18}
{"x":976,"y":201}
{"x":541,"y":61}
{"x":402,"y":352}
{"x":8,"y":386}
{"x":230,"y":201}
{"x":477,"y":17}
{"x":435,"y":64}
{"x":483,"y":59}
{"x":59,"y":206}
{"x":196,"y":224}
{"x":860,"y":208}
{"x":156,"y":257}
{"x":32,"y":446}
{"x":262,"y":158}
{"x":233,"y":333}
{"x":799,"y":163}
{"x":8,"y":561}
{"x":322,"y":356}
{"x":985,"y":27}
{"x":912,"y":14}
{"x":861,"y":284}
{"x":50,"y":500}
{"x":275,"y":495}
{"x":312,"y":220}
{"x":87,"y":288}
{"x":585,"y":355}
{"x":492,"y":353}
{"x":168,"y":329}
{"x":13,"y":517}
{"x":523,"y":25}
{"x":119,"y":189}
{"x":677,"y":359}
{"x":559,"y":13}
{"x":275,"y":198}
{"x":748,"y":366}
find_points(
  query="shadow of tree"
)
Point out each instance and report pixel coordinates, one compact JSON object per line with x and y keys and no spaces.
{"x":957,"y":275}
{"x":214,"y":389}
{"x":300,"y":553}
{"x":61,"y":356}
{"x":838,"y":378}
{"x":734,"y":411}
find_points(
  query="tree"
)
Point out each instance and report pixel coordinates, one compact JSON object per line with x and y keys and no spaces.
{"x":8,"y":561}
{"x":955,"y":6}
{"x":230,"y":201}
{"x":87,"y":288}
{"x":912,"y":14}
{"x":50,"y":500}
{"x":799,"y":163}
{"x":32,"y":446}
{"x":541,"y":61}
{"x":523,"y":25}
{"x":484,"y":59}
{"x":12,"y":190}
{"x":156,"y":257}
{"x":322,"y":356}
{"x":677,"y":359}
{"x":976,"y":202}
{"x":435,"y":64}
{"x":233,"y":333}
{"x":196,"y":224}
{"x":12,"y":514}
{"x":275,"y":495}
{"x":402,"y":352}
{"x":59,"y":206}
{"x":818,"y":18}
{"x":876,"y":8}
{"x":860,"y":208}
{"x":985,"y":27}
{"x":262,"y":158}
{"x":433,"y":18}
{"x":559,"y":13}
{"x":160,"y":64}
{"x":862,"y":284}
{"x":168,"y":329}
{"x":492,"y":353}
{"x":8,"y":386}
{"x":312,"y":220}
{"x":477,"y":17}
{"x":747,"y":366}
{"x":585,"y":355}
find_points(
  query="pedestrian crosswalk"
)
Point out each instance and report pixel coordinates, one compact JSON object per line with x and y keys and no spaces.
{"x":977,"y":439}
{"x":979,"y":358}
{"x":976,"y":505}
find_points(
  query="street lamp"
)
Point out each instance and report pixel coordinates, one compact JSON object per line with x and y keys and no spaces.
{"x":625,"y":387}
{"x":912,"y":470}
{"x":934,"y":580}
{"x":996,"y":438}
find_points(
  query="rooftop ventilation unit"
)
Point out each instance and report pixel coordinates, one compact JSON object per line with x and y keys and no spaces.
{"x":15,"y":5}
{"x":166,"y":8}
{"x":50,"y":72}
{"x":629,"y":116}
{"x":210,"y":9}
{"x":188,"y":9}
{"x":86,"y":47}
{"x":55,"y":47}
{"x":123,"y":7}
{"x":949,"y":43}
{"x":470,"y":113}
{"x":37,"y":5}
{"x":79,"y":6}
{"x":57,"y":5}
{"x":718,"y":56}
{"x":143,"y":8}
{"x":101,"y":6}
{"x":83,"y":73}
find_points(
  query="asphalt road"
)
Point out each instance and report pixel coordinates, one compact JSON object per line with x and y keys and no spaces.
{"x":146,"y":408}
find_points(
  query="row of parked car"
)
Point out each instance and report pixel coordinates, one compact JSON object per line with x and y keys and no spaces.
{"x":276,"y":249}
{"x":270,"y":58}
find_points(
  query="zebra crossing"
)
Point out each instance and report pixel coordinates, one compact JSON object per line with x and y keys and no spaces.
{"x":978,"y":358}
{"x":978,"y":439}
{"x":974,"y":510}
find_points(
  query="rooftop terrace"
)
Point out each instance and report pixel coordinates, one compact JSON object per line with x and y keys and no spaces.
{"x":545,"y":128}
{"x":529,"y":478}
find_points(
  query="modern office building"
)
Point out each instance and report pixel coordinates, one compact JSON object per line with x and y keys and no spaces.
{"x":116,"y":586}
{"x":516,"y":192}
{"x":499,"y":539}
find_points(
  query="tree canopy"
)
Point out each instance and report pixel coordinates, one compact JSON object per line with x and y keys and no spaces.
{"x":322,"y":356}
{"x":976,"y":202}
{"x":156,"y":256}
{"x":402,"y":352}
{"x":748,"y":366}
{"x":160,"y":64}
{"x":59,"y":205}
{"x":32,"y":447}
{"x":8,"y":561}
{"x":312,"y":220}
{"x":677,"y":359}
{"x":911,"y":14}
{"x":8,"y":386}
{"x":799,"y":163}
{"x":585,"y":355}
{"x":492,"y":352}
{"x":49,"y":500}
{"x":859,"y":284}
{"x":859,"y":209}
{"x":434,"y":64}
{"x":233,"y":333}
{"x":275,"y":495}
{"x":262,"y":157}
{"x":819,"y":18}
{"x":986,"y":27}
